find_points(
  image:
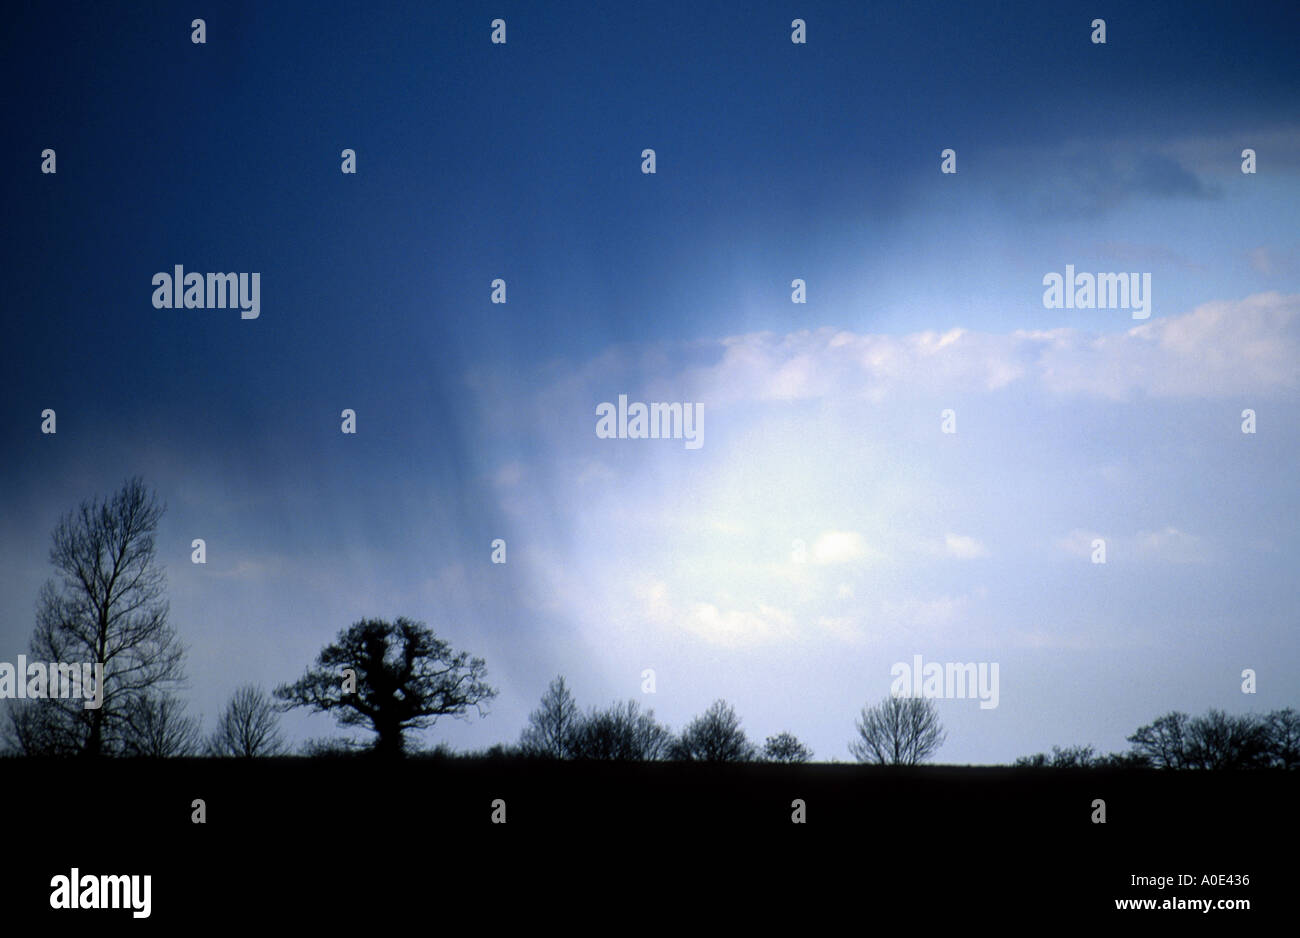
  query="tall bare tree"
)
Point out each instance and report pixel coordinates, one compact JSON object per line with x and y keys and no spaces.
{"x":405,"y":677}
{"x":107,"y":605}
{"x":898,"y":731}
{"x":249,"y":727}
{"x":552,"y":728}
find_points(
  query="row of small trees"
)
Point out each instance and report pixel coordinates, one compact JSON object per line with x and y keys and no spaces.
{"x":558,"y":729}
{"x":897,"y":731}
{"x":1213,"y":741}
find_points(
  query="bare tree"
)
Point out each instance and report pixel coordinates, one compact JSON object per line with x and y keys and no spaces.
{"x":552,"y":727}
{"x":785,"y":747}
{"x":714,"y":736}
{"x":898,"y":731}
{"x":1219,"y":741}
{"x":621,"y":733}
{"x":249,"y":727}
{"x":1214,"y":742}
{"x":1284,"y":738}
{"x":26,"y":730}
{"x":405,"y":677}
{"x":157,"y":728}
{"x":106,"y":605}
{"x":1164,"y":742}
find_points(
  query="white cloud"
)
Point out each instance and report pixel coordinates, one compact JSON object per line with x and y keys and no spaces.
{"x":735,"y":627}
{"x":1219,"y":349}
{"x":964,"y":548}
{"x":839,"y":547}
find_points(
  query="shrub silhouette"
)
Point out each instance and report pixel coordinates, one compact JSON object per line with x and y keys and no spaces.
{"x":714,"y":736}
{"x":621,"y":733}
{"x":785,"y":747}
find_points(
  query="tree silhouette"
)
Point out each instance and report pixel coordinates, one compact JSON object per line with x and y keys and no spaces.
{"x":1164,"y":741}
{"x":553,"y":726}
{"x":248,"y":727}
{"x":1213,"y":742}
{"x":106,"y":605}
{"x":714,"y":736}
{"x":621,"y":733}
{"x":405,"y":678}
{"x":1221,"y":741}
{"x":159,"y":728}
{"x":785,"y":747}
{"x":1283,"y":727}
{"x":898,"y":731}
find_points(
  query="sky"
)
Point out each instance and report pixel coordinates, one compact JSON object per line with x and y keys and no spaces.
{"x":827,"y":527}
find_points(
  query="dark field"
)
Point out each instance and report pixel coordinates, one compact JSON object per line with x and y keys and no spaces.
{"x":608,"y":845}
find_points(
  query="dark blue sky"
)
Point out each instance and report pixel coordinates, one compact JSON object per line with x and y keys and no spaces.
{"x":522,"y":161}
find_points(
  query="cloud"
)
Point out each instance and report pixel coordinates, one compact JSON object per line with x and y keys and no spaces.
{"x":964,"y":548}
{"x":1279,"y":146}
{"x":735,"y":627}
{"x":639,"y":546}
{"x":1220,"y":349}
{"x":1089,"y":178}
{"x":833,"y":547}
{"x":715,"y":622}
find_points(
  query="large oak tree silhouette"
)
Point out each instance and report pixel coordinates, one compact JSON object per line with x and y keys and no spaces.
{"x":402,"y":676}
